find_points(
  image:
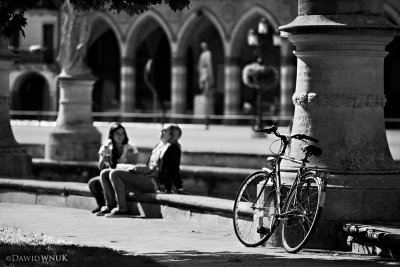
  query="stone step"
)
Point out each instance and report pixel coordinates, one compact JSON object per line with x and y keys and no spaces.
{"x":200,"y":209}
{"x":374,"y":239}
{"x":211,"y":181}
{"x":382,"y":240}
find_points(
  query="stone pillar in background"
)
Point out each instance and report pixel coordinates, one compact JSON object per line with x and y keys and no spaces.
{"x":128,"y":85}
{"x":232,"y":87}
{"x":14,"y":161}
{"x":287,"y":77}
{"x":339,"y":99}
{"x":74,"y":137}
{"x":178,"y":86}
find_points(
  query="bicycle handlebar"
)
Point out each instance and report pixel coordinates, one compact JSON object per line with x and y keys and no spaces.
{"x":273,"y":129}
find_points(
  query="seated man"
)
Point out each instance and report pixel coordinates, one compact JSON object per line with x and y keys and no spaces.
{"x":140,"y":179}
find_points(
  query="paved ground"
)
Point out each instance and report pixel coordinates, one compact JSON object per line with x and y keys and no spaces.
{"x":168,"y":243}
{"x":217,"y":138}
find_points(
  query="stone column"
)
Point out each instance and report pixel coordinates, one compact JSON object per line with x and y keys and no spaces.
{"x":339,"y":99}
{"x":74,"y":137}
{"x":287,"y":77}
{"x":14,"y":161}
{"x":128,"y":85}
{"x":178,"y":86}
{"x":232,"y":77}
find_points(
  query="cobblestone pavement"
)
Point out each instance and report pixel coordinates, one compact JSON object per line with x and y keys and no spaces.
{"x":169,"y":243}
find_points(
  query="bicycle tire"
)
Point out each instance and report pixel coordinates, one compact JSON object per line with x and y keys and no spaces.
{"x":245,"y":216}
{"x":305,"y":204}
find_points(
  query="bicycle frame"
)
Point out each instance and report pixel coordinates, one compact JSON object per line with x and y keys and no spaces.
{"x":276,"y":176}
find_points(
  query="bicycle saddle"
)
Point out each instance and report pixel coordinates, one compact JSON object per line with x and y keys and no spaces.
{"x":313,"y":150}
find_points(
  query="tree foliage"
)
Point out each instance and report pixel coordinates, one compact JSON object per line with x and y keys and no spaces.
{"x":12,"y":12}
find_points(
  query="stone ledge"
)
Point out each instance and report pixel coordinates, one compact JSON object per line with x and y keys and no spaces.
{"x":194,"y":203}
{"x":382,"y":240}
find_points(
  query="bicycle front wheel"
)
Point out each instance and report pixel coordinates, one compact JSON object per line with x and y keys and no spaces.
{"x":301,"y":213}
{"x":254,"y":209}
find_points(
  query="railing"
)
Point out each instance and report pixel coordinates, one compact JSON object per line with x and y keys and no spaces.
{"x":164,"y":118}
{"x":161,"y":118}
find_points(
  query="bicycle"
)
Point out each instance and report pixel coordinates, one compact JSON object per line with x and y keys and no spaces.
{"x":262,"y":202}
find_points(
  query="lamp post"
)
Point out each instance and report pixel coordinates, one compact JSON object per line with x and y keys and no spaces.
{"x":257,"y":75}
{"x":253,"y":74}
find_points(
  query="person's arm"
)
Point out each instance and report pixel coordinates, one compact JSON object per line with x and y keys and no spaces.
{"x":104,"y":158}
{"x":132,"y":157}
{"x":172,"y":161}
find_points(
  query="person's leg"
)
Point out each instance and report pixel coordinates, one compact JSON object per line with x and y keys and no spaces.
{"x":166,"y":181}
{"x":108,"y":189}
{"x":97,"y":191}
{"x":178,"y":183}
{"x":125,"y":180}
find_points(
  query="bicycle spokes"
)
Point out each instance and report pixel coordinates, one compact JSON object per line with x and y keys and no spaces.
{"x":301,"y":212}
{"x":253,"y":210}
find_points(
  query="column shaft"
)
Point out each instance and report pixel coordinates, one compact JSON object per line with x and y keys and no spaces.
{"x":232,"y":87}
{"x":128,"y":85}
{"x":287,"y":77}
{"x":178,"y":86}
{"x":14,"y":161}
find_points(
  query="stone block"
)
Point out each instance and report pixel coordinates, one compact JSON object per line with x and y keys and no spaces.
{"x":343,"y":204}
{"x":51,"y":200}
{"x":81,"y":202}
{"x":7,"y":195}
{"x":150,"y":210}
{"x":381,"y":205}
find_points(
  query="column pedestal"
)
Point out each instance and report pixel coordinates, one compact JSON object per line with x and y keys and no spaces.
{"x":14,"y":161}
{"x":74,"y":138}
{"x":204,"y":104}
{"x":339,"y":99}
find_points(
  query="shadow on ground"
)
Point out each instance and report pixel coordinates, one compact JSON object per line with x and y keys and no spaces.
{"x":279,"y":258}
{"x":68,"y":255}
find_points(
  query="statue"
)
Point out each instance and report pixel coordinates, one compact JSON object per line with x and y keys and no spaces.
{"x":75,"y":36}
{"x":205,"y":69}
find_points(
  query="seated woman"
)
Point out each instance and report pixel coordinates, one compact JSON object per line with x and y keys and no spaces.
{"x":116,"y":150}
{"x":137,"y":179}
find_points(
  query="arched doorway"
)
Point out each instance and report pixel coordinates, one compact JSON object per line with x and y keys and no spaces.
{"x":202,"y":28}
{"x":154,"y":46}
{"x":104,"y":60}
{"x":31,"y":93}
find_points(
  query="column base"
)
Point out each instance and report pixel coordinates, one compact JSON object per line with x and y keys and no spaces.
{"x":80,"y":143}
{"x":15,"y":162}
{"x":203,"y":104}
{"x":368,"y":199}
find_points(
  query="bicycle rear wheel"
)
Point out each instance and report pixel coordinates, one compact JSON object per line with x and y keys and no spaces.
{"x":302,"y":213}
{"x":253,"y":220}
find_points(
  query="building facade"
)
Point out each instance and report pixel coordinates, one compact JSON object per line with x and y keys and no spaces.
{"x":119,"y":47}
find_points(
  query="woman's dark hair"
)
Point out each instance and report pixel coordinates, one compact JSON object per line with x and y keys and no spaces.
{"x":113,"y":128}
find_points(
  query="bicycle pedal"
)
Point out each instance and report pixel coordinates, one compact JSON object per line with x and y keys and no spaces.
{"x":263,"y":230}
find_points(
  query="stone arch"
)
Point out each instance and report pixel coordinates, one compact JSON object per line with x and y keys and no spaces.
{"x":392,"y":13}
{"x":103,"y":58}
{"x":149,"y":20}
{"x":244,"y":24}
{"x":101,"y":22}
{"x":202,"y":25}
{"x":31,"y":91}
{"x":150,"y":37}
{"x":243,"y":55}
{"x":191,"y":23}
